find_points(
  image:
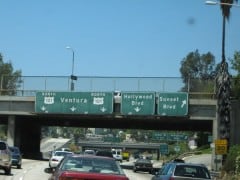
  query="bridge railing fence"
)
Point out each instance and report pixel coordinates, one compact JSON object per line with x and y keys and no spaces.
{"x":29,"y":85}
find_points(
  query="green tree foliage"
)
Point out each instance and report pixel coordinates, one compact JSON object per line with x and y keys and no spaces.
{"x":198,"y":72}
{"x":9,"y":79}
{"x":235,"y":62}
{"x":230,"y":165}
{"x":3,"y":132}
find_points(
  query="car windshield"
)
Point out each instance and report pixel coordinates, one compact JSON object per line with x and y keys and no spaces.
{"x":91,"y":165}
{"x":2,"y":146}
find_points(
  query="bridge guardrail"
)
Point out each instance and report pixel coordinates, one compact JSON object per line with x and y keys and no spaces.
{"x":29,"y":85}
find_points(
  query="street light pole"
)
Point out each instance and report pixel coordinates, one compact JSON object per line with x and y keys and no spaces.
{"x":72,"y":75}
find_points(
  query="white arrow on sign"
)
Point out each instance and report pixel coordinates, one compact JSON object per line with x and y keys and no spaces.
{"x":43,"y":108}
{"x":184,"y":102}
{"x":73,"y":109}
{"x":137,"y":109}
{"x":103,"y":109}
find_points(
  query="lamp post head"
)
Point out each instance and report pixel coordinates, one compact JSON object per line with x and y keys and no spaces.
{"x":211,"y":2}
{"x":221,"y":3}
{"x":68,"y":47}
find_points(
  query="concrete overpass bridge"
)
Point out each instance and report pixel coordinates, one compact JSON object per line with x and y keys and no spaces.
{"x":25,"y":115}
{"x":24,"y":123}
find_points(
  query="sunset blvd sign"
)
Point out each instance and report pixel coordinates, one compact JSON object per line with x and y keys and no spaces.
{"x":172,"y":104}
{"x":74,"y":102}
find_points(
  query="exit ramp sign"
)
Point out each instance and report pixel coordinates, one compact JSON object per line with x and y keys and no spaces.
{"x":74,"y":102}
{"x":172,"y":104}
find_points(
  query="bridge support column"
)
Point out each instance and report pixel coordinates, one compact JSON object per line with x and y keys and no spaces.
{"x":11,"y":130}
{"x":216,"y":159}
{"x":28,"y":135}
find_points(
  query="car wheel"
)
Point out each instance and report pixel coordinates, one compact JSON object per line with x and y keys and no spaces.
{"x":19,"y":166}
{"x":7,"y":171}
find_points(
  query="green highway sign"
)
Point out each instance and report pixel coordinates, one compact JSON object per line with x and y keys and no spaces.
{"x":138,"y":103}
{"x":177,"y":137}
{"x":74,"y":102}
{"x":170,"y":137}
{"x":163,"y":149}
{"x":172,"y":104}
{"x":111,"y":139}
{"x":160,"y":136}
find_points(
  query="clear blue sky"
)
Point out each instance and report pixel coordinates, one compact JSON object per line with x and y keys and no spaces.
{"x":111,"y":37}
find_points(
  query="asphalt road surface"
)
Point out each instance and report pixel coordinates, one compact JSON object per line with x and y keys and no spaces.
{"x":31,"y":169}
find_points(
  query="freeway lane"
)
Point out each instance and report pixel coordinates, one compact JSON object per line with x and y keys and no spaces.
{"x":34,"y":170}
{"x":31,"y":170}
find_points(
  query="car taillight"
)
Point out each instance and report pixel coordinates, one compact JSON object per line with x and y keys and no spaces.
{"x":171,"y":178}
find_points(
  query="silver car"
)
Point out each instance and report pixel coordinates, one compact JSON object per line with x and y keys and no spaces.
{"x":5,"y":158}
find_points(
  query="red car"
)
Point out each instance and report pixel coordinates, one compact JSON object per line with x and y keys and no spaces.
{"x":78,"y":167}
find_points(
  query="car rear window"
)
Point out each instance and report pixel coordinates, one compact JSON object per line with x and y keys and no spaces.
{"x":62,"y":153}
{"x":88,"y":164}
{"x":14,"y":150}
{"x":3,"y":146}
{"x":192,"y":171}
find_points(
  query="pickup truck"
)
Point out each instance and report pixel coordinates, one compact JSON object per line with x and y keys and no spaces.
{"x":126,"y":155}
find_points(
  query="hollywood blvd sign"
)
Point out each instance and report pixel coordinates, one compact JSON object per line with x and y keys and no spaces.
{"x":138,"y":103}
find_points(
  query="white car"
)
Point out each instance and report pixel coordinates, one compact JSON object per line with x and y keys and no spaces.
{"x":117,"y":154}
{"x":56,"y":158}
{"x":5,"y":157}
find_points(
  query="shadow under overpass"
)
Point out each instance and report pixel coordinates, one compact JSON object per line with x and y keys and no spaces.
{"x":28,"y":128}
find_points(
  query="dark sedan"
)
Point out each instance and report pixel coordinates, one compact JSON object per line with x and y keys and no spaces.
{"x":143,"y":165}
{"x":16,"y":157}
